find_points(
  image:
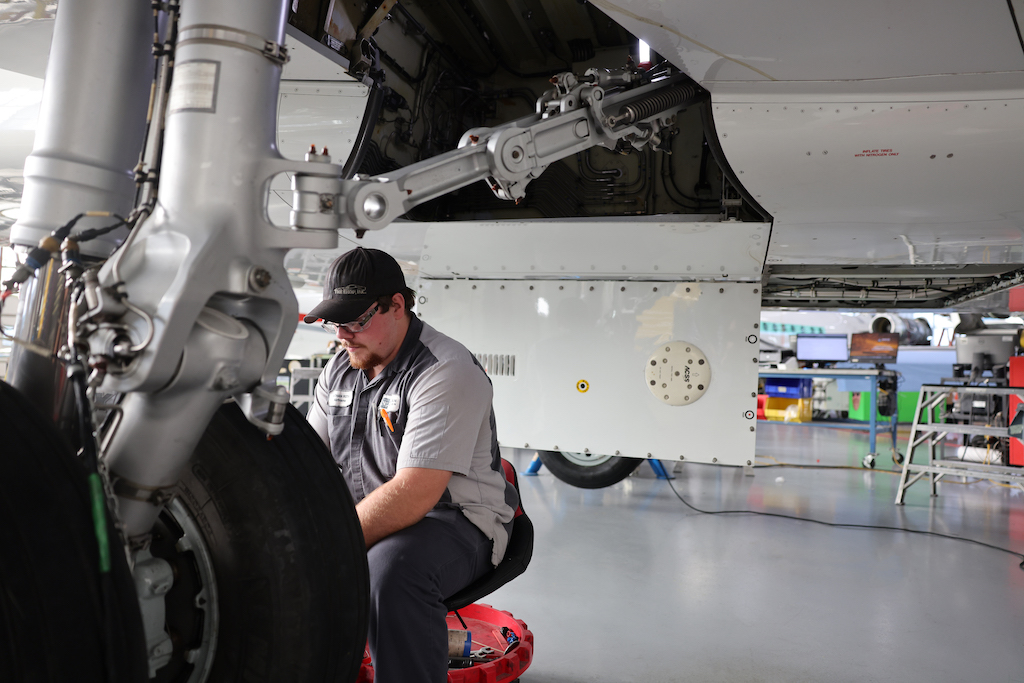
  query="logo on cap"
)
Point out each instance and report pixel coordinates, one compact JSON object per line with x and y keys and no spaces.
{"x":350,"y":290}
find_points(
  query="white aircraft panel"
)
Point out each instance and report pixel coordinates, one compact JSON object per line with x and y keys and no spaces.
{"x":666,"y":247}
{"x":20,"y":97}
{"x":581,"y":350}
{"x":322,"y":113}
{"x":26,"y":32}
{"x":750,"y":40}
{"x":930,"y":168}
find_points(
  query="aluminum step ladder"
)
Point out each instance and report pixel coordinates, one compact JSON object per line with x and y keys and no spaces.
{"x":930,"y":430}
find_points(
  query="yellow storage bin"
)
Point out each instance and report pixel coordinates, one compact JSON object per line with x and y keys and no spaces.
{"x":788,"y":409}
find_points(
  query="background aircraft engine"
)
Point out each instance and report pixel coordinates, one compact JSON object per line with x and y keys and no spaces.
{"x":912,"y":331}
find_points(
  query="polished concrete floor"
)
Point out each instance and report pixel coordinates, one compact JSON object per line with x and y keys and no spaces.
{"x":628,"y":584}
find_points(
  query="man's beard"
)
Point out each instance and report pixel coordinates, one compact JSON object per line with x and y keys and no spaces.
{"x":371,"y":361}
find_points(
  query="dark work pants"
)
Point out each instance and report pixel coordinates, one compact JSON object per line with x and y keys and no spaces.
{"x":411,"y":573}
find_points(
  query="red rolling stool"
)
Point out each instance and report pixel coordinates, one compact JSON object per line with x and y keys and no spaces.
{"x":502,"y":645}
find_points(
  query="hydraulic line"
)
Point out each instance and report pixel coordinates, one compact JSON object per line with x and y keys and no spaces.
{"x":148,"y":169}
{"x":669,"y":181}
{"x":97,"y":505}
{"x":40,"y":256}
{"x":588,"y":164}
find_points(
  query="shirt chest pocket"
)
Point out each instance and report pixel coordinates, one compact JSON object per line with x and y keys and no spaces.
{"x":390,"y":426}
{"x":392,"y":415}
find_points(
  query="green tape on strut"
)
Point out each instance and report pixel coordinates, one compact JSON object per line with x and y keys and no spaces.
{"x":99,"y":520}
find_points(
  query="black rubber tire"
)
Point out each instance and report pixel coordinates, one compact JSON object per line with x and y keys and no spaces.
{"x":51,"y":590}
{"x":287,"y":551}
{"x":598,"y":476}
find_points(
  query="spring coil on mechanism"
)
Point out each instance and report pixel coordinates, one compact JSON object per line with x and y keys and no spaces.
{"x":649,"y":106}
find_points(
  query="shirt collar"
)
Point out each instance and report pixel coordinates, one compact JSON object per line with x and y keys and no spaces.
{"x":412,"y":338}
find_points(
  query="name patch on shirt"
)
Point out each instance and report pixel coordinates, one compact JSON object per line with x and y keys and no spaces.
{"x":339,"y":399}
{"x":390,"y":403}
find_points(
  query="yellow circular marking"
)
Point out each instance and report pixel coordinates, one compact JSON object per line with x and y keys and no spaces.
{"x":582,"y":386}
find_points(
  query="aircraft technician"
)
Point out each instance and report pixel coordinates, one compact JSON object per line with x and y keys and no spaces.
{"x":407,"y":415}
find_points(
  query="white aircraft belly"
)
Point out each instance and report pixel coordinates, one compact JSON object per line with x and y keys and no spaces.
{"x":715,"y":40}
{"x":653,"y":248}
{"x":898,"y":171}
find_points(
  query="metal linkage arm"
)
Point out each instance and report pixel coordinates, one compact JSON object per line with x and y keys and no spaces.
{"x":575,"y":116}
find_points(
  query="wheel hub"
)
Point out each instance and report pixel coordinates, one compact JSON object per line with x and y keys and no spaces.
{"x":192,"y":619}
{"x":586,"y":459}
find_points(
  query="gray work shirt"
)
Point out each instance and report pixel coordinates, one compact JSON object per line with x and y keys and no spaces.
{"x":437,"y":399}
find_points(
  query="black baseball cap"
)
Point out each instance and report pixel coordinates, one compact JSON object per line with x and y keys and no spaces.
{"x":354,"y":282}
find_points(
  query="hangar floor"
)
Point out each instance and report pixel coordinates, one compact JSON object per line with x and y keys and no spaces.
{"x":628,"y":584}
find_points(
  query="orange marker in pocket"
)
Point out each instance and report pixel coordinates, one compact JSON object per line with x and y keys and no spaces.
{"x":387,"y":420}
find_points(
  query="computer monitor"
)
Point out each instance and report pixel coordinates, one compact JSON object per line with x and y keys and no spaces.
{"x":874,"y":347}
{"x":821,"y":348}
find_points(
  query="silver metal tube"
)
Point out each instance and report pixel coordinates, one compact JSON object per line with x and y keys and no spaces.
{"x":191,"y":263}
{"x":91,"y":126}
{"x":209,"y":231}
{"x":211,"y":153}
{"x":92,"y":120}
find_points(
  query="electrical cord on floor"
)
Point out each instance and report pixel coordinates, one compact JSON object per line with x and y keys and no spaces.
{"x":843,"y":525}
{"x":795,"y":466}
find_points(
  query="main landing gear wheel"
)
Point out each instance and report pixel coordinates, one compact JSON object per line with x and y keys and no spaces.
{"x":271,"y":581}
{"x":586,"y":470}
{"x":53,"y":597}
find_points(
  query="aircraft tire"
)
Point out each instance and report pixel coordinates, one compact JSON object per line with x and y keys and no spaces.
{"x":594,"y":472}
{"x":52,"y":593}
{"x":281,"y":532}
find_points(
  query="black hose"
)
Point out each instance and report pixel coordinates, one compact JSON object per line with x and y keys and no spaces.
{"x":373,"y":106}
{"x":89,"y":459}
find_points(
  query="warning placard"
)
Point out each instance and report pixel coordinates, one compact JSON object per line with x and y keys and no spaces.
{"x":194,"y":87}
{"x":877,"y":153}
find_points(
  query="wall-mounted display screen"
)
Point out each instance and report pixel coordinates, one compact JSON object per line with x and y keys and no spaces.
{"x":821,"y":348}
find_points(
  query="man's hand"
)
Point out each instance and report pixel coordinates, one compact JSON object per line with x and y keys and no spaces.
{"x":401,"y":502}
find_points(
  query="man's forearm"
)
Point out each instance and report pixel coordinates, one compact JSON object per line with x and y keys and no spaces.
{"x":401,"y":502}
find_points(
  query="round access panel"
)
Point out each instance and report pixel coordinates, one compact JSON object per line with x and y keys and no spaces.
{"x":678,"y":373}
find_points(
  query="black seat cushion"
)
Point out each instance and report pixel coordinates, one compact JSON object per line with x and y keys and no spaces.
{"x":517,"y":557}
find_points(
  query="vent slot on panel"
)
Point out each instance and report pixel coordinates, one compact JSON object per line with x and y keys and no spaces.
{"x":499,"y":364}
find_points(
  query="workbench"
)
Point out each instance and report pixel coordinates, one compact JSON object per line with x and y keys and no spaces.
{"x":874,"y":375}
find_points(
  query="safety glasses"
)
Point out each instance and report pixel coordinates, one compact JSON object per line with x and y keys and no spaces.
{"x":357,"y":325}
